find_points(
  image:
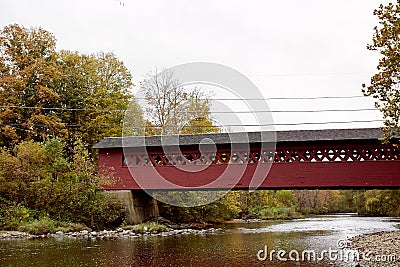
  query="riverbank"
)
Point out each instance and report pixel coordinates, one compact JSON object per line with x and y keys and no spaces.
{"x":379,"y":249}
{"x":108,"y":234}
{"x":152,"y":229}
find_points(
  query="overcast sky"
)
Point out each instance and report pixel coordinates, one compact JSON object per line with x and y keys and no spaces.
{"x":290,"y":48}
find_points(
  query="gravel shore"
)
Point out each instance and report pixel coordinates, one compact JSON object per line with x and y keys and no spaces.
{"x":107,"y":234}
{"x":378,"y":249}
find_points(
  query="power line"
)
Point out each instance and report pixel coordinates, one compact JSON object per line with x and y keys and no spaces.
{"x":313,"y":98}
{"x":236,"y":99}
{"x":217,"y":99}
{"x":66,"y":109}
{"x":273,"y":98}
{"x":195,"y":112}
{"x":311,"y":74}
{"x":190,"y":126}
{"x":273,"y":124}
{"x":317,"y":123}
{"x":294,"y":111}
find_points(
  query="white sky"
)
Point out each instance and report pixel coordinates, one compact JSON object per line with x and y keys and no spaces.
{"x":287,"y":48}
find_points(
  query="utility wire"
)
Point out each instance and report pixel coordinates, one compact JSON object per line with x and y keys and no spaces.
{"x":236,"y":99}
{"x":193,"y":126}
{"x":219,"y":99}
{"x":195,"y":112}
{"x":273,"y":98}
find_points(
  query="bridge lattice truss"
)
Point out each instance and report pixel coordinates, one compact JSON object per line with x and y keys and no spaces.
{"x":321,"y":153}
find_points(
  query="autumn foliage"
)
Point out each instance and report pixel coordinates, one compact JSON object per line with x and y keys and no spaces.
{"x":48,"y":93}
{"x":385,"y":85}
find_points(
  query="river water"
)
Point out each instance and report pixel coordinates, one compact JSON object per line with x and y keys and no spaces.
{"x":237,"y":246}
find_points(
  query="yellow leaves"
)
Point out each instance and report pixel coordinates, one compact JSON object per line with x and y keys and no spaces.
{"x":198,"y":126}
{"x":385,"y":84}
{"x":231,"y":202}
{"x":46,"y":93}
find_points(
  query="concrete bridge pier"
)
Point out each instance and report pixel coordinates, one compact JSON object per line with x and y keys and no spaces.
{"x":138,"y":205}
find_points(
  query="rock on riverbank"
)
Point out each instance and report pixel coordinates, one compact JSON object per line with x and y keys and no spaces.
{"x":380,"y":249}
{"x":15,"y":235}
{"x":108,"y":234}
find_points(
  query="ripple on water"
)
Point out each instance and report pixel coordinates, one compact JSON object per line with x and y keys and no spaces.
{"x":332,"y":224}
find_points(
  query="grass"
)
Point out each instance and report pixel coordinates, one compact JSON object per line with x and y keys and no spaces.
{"x":151,"y":227}
{"x":46,"y":225}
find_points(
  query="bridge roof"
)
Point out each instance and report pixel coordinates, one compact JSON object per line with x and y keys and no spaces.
{"x":243,"y":137}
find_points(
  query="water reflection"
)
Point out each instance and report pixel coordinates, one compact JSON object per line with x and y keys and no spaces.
{"x":238,"y":246}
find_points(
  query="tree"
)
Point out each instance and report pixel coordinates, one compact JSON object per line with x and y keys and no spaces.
{"x":164,"y":96}
{"x":174,"y":109}
{"x":151,"y":129}
{"x":199,"y":125}
{"x":45,"y":93}
{"x":93,"y":95}
{"x":385,"y":85}
{"x":198,"y":114}
{"x":27,"y":73}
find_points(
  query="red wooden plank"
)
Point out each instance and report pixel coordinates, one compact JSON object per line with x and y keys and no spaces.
{"x":312,"y":175}
{"x":297,"y":175}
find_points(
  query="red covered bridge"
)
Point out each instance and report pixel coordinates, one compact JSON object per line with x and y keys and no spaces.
{"x":300,"y":159}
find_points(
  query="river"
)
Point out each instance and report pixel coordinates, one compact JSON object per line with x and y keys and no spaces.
{"x":237,"y":246}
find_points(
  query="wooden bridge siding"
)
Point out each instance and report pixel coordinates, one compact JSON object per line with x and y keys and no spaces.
{"x":312,"y":175}
{"x":110,"y":163}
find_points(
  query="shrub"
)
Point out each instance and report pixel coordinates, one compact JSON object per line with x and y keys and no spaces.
{"x":39,"y":180}
{"x":12,"y":215}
